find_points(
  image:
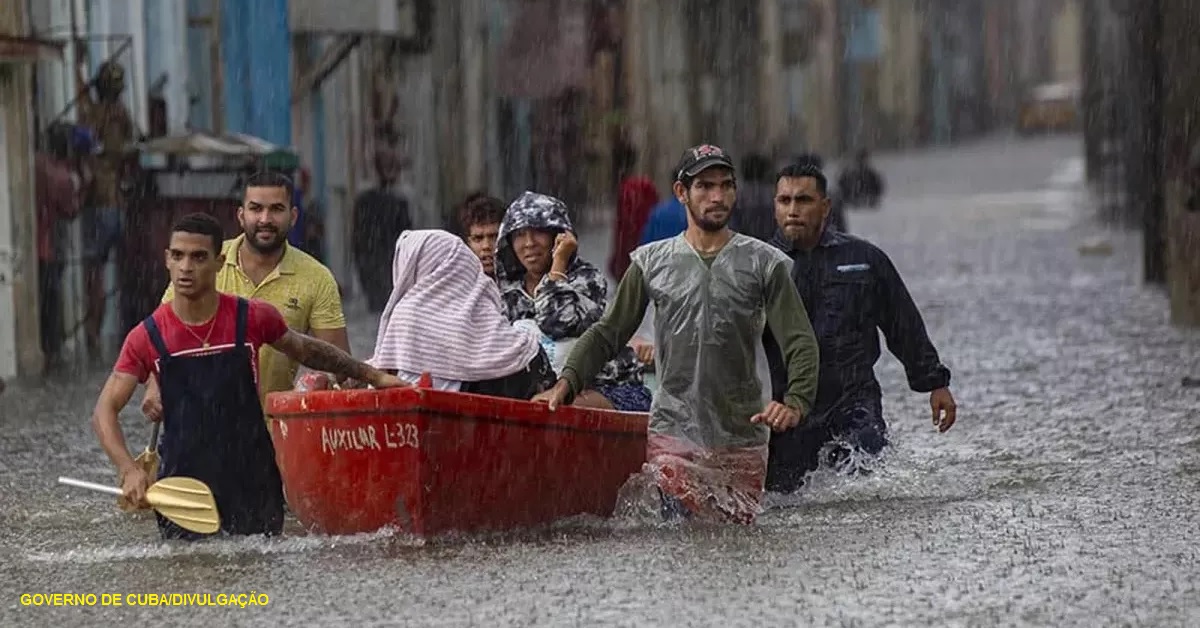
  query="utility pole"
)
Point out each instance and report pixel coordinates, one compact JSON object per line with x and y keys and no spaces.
{"x":1180,"y":60}
{"x":1146,"y":192}
{"x":1092,"y":88}
{"x":20,"y":348}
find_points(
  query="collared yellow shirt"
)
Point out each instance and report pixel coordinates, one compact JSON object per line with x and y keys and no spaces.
{"x":300,"y":287}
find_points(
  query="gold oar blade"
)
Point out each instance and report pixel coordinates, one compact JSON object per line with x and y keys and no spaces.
{"x":182,"y":485}
{"x":186,"y":501}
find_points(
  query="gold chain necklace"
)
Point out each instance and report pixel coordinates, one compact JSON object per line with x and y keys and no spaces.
{"x":204,"y":341}
{"x":212,"y":324}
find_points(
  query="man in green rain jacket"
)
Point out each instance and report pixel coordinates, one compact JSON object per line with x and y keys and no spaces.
{"x":713,"y":291}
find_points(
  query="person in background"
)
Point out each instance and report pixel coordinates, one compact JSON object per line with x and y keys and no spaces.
{"x":755,"y":213}
{"x":444,"y":317}
{"x":861,"y":183}
{"x":479,"y":218}
{"x":667,"y":219}
{"x":295,"y":235}
{"x":308,"y":232}
{"x":543,"y":279}
{"x":103,"y":212}
{"x":203,"y":347}
{"x":57,"y":192}
{"x":636,"y":196}
{"x":261,"y":264}
{"x":852,"y":292}
{"x":380,"y":216}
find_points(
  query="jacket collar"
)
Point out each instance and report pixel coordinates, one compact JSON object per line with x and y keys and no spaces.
{"x":829,"y":237}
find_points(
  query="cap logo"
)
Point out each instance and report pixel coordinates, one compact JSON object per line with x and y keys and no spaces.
{"x":707,"y":150}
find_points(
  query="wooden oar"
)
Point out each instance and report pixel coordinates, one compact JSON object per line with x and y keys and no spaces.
{"x":148,"y":460}
{"x":186,"y":501}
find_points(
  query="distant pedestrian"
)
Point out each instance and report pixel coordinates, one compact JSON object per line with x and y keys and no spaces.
{"x":380,"y":216}
{"x":58,"y":198}
{"x":755,"y":212}
{"x":861,"y":183}
{"x":636,"y":197}
{"x":103,"y":215}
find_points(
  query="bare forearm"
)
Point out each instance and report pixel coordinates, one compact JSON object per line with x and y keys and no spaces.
{"x":336,"y":337}
{"x":322,"y":356}
{"x":108,"y":430}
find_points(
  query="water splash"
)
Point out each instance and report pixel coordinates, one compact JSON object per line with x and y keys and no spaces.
{"x":220,"y":547}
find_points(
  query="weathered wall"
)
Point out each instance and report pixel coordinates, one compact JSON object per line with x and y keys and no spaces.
{"x":900,"y":74}
{"x":1065,"y":42}
{"x":821,"y":94}
{"x":20,"y":349}
{"x":660,"y":92}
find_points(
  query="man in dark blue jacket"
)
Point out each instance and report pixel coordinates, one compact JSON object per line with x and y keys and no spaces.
{"x":850,"y":290}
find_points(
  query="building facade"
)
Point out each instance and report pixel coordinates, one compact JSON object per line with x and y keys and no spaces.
{"x":505,"y":95}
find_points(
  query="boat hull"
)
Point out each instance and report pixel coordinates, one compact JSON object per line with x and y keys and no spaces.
{"x":431,"y":462}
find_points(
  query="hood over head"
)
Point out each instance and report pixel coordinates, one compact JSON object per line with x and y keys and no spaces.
{"x":529,"y":211}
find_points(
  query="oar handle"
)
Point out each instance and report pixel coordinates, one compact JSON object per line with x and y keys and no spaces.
{"x":91,"y":485}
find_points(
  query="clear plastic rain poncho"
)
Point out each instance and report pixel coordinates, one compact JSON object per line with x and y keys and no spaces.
{"x":704,"y":453}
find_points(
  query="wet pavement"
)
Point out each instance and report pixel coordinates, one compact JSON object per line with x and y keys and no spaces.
{"x":1064,"y":496}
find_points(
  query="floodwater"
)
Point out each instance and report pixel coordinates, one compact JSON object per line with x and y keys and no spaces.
{"x":1064,"y":496}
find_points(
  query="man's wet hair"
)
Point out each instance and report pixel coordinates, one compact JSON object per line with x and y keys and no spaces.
{"x":756,"y":167}
{"x":801,"y":170}
{"x":810,"y":158}
{"x":270,"y":179}
{"x":479,"y":209}
{"x":201,"y":224}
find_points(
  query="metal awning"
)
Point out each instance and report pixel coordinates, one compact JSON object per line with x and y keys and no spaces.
{"x":407,"y":24}
{"x":330,"y":59}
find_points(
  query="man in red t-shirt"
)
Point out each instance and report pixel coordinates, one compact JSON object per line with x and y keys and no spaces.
{"x":203,"y":349}
{"x":264,"y":326}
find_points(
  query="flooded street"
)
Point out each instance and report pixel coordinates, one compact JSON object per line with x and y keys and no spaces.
{"x":1065,"y":495}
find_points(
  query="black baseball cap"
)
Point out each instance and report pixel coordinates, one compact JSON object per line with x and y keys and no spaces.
{"x":700,"y":158}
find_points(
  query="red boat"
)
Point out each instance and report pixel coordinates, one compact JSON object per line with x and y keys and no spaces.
{"x":431,"y":462}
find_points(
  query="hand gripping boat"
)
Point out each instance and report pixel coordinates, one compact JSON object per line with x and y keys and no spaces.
{"x":431,"y":462}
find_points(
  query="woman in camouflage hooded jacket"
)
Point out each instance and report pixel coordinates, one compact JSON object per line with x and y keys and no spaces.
{"x":542,"y":278}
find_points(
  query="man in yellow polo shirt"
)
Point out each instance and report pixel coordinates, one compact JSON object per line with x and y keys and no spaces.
{"x":259,"y":264}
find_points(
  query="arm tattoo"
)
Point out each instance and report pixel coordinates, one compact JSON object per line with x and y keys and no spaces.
{"x":322,"y":356}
